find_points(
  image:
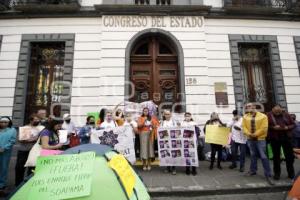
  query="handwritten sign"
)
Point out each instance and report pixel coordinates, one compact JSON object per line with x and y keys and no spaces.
{"x":217,"y":135}
{"x":62,"y":177}
{"x":125,"y":172}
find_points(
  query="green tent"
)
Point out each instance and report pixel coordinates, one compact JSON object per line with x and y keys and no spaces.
{"x":105,"y":183}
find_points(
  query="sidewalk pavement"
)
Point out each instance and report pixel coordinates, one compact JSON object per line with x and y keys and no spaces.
{"x":212,"y":182}
{"x":206,"y":182}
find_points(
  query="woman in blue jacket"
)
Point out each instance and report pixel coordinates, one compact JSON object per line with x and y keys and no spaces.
{"x":7,"y":140}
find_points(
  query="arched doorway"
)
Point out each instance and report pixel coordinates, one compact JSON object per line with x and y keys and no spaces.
{"x":154,"y":70}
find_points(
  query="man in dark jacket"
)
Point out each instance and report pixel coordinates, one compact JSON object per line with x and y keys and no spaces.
{"x":279,"y":135}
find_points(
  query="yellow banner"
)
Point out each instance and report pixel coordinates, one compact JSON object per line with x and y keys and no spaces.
{"x":125,"y":172}
{"x":217,"y":135}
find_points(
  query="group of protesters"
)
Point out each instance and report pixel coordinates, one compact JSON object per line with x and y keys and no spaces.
{"x":253,"y":130}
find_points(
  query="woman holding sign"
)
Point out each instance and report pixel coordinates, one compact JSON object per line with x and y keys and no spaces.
{"x":168,"y":122}
{"x":215,"y":120}
{"x":7,"y":140}
{"x":146,"y":126}
{"x":49,"y":136}
{"x":28,"y":135}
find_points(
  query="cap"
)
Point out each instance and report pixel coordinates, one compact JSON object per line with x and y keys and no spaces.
{"x":67,"y":116}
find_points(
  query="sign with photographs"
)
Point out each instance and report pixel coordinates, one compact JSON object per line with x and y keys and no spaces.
{"x":177,"y":146}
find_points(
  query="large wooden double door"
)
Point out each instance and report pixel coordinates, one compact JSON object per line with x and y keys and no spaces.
{"x":154,"y":72}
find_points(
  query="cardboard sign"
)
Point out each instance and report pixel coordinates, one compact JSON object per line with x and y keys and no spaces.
{"x":217,"y":135}
{"x":125,"y":172}
{"x":62,"y":177}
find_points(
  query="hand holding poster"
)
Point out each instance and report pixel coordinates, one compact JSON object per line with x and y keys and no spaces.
{"x":62,"y":177}
{"x":177,"y":146}
{"x":217,"y":135}
{"x":120,"y":138}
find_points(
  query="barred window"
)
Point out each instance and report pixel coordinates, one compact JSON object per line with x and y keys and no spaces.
{"x":148,"y":2}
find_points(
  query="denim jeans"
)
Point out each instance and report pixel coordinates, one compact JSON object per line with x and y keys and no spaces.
{"x":234,"y":149}
{"x":258,"y":149}
{"x":4,"y":164}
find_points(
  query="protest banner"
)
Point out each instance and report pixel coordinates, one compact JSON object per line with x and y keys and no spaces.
{"x":119,"y":138}
{"x":62,"y":177}
{"x":136,"y":109}
{"x":120,"y":165}
{"x":177,"y":146}
{"x":217,"y":135}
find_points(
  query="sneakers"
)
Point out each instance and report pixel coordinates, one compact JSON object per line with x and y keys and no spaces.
{"x":269,"y":181}
{"x":144,"y":168}
{"x":174,"y":172}
{"x":149,"y":168}
{"x":232,"y":166}
{"x":220,"y":167}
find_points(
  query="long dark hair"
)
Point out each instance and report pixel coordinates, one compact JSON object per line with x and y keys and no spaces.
{"x":102,"y":114}
{"x":148,"y":116}
{"x":10,"y":124}
{"x":50,"y":126}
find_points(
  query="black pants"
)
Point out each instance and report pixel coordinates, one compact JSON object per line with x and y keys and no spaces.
{"x":20,"y":169}
{"x":286,"y":144}
{"x":215,"y":148}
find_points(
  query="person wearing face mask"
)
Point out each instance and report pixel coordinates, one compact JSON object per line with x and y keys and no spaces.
{"x":280,"y":136}
{"x":25,"y":147}
{"x":68,"y":124}
{"x":7,"y":140}
{"x":109,"y":121}
{"x":85,"y":131}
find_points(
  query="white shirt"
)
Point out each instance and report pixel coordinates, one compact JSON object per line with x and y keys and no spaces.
{"x":187,"y":124}
{"x":133,"y":124}
{"x":107,"y":125}
{"x":168,"y":123}
{"x":236,"y":135}
{"x":70,"y":127}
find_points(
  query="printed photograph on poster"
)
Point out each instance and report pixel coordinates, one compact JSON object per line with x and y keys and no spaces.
{"x":175,"y":133}
{"x":176,"y":153}
{"x":164,"y":144}
{"x":176,"y":143}
{"x":163,"y":134}
{"x":165,"y":153}
{"x":189,"y":144}
{"x":188,"y":133}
